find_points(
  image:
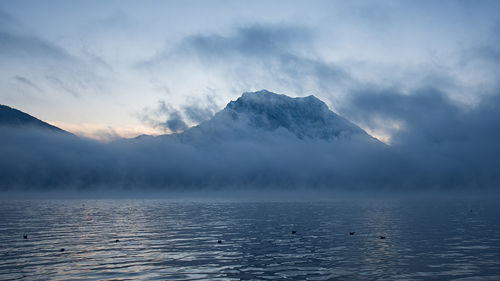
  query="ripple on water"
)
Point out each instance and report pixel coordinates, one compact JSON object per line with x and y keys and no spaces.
{"x":177,"y":240}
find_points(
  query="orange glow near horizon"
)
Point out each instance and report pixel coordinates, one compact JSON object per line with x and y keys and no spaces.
{"x":106,"y":133}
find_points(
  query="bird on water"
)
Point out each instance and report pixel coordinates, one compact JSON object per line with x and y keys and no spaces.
{"x":25,"y":236}
{"x":352,"y":233}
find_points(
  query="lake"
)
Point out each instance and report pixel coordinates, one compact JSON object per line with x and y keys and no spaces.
{"x":178,"y":240}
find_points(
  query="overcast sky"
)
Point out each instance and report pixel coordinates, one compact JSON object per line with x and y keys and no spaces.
{"x":101,"y":68}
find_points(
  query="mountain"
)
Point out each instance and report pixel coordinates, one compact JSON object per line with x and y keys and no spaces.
{"x":262,"y":139}
{"x":13,"y":118}
{"x":263,"y":115}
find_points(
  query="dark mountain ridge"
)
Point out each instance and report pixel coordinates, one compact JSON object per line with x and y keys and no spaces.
{"x":13,"y":118}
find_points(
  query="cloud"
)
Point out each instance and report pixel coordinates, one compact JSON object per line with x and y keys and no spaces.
{"x":326,"y":76}
{"x":427,"y":111}
{"x":60,"y":162}
{"x":401,"y":86}
{"x":8,"y":22}
{"x":163,"y":116}
{"x":25,"y":53}
{"x":105,"y":134}
{"x":198,"y":110}
{"x":26,"y":81}
{"x":260,"y":41}
{"x":448,"y":143}
{"x":29,"y":47}
{"x":170,"y":119}
{"x":17,"y":43}
{"x":58,"y":83}
{"x":258,"y":54}
{"x":440,"y":145}
{"x":97,"y":61}
{"x":174,"y":122}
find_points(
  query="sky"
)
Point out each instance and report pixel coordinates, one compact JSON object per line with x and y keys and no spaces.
{"x":123,"y":68}
{"x":421,"y":76}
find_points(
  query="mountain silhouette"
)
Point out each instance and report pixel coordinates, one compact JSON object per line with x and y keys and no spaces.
{"x":13,"y":118}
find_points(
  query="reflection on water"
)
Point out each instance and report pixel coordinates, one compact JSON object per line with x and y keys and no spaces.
{"x":167,"y":239}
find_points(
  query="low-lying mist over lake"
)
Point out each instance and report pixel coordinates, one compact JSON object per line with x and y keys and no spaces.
{"x":262,"y":140}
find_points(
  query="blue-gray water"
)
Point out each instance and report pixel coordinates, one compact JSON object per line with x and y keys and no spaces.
{"x":169,"y":239}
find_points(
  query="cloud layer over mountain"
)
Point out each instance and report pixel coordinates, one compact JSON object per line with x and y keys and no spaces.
{"x":247,"y":146}
{"x":422,"y":77}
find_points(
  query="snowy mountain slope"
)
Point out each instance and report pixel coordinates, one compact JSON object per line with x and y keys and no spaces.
{"x":263,"y":115}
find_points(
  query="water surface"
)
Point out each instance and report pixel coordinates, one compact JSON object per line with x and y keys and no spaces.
{"x":177,"y":240}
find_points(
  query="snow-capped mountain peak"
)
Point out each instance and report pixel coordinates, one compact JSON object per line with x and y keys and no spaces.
{"x":263,"y":113}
